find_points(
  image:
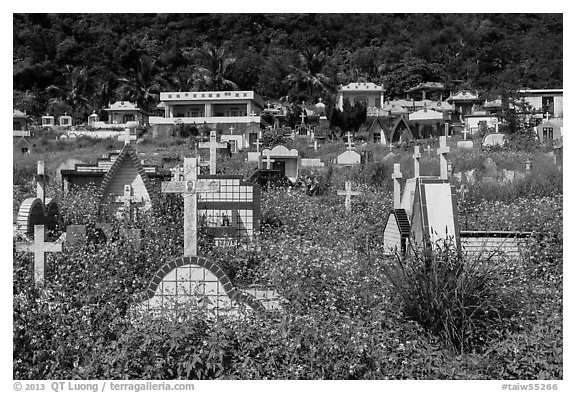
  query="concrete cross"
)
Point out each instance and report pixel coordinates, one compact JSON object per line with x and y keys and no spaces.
{"x":416,"y":156}
{"x":465,"y":132}
{"x":41,"y":182}
{"x":258,"y":144}
{"x":443,"y":153}
{"x":390,"y":147}
{"x":348,"y":193}
{"x":302,"y":116}
{"x":177,"y":173}
{"x":189,"y":187}
{"x":231,"y":130}
{"x":349,"y":136}
{"x":315,"y":145}
{"x":396,"y":176}
{"x":128,"y":199}
{"x":497,"y":124}
{"x":547,"y":116}
{"x":127,"y":137}
{"x":320,"y":100}
{"x":268,"y":161}
{"x":212,"y":145}
{"x":39,"y":248}
{"x":252,"y":114}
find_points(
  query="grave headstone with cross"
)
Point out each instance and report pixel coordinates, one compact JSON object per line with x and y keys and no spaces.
{"x":127,"y":137}
{"x":348,"y":193}
{"x":39,"y":247}
{"x":396,"y":176}
{"x":416,"y":156}
{"x":231,"y":130}
{"x":443,"y":153}
{"x":349,"y":142}
{"x":258,"y":143}
{"x":268,"y":161}
{"x":189,"y":187}
{"x":429,"y":150}
{"x":212,"y":145}
{"x":128,"y":200}
{"x":302,"y":116}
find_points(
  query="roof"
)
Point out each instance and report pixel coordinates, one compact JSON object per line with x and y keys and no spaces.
{"x":541,"y":91}
{"x":554,"y":122}
{"x":363,"y":86}
{"x":123,"y":106}
{"x":463,"y":96}
{"x":426,"y":114}
{"x":280,"y":151}
{"x":20,"y":114}
{"x":426,"y":86}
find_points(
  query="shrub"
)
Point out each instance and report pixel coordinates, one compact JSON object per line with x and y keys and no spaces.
{"x":455,"y":298}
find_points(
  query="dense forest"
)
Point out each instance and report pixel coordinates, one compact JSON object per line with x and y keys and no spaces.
{"x":80,"y":62}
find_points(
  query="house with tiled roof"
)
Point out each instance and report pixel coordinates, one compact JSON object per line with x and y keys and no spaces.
{"x":20,"y":123}
{"x":426,"y":90}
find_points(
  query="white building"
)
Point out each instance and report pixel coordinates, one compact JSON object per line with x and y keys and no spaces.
{"x":210,"y":107}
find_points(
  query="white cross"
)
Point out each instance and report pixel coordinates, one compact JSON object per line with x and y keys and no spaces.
{"x":547,"y":116}
{"x":268,"y":160}
{"x":128,"y":199}
{"x":41,"y":182}
{"x":320,"y":100}
{"x":443,"y":152}
{"x":212,"y":145}
{"x":127,"y":137}
{"x":446,"y":128}
{"x":177,"y":174}
{"x":302,"y":116}
{"x":349,"y":135}
{"x":416,"y":156}
{"x":348,"y":193}
{"x":390,"y":147}
{"x":39,"y":248}
{"x":429,"y":149}
{"x":465,"y":132}
{"x":497,"y":124}
{"x":189,"y":187}
{"x":396,"y":176}
{"x":315,"y":145}
{"x":252,"y":114}
{"x":231,"y":129}
{"x":258,"y":144}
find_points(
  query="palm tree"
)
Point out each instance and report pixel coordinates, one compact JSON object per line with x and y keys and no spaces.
{"x":74,"y":94}
{"x":143,"y":84}
{"x":309,"y":76}
{"x":212,"y":68}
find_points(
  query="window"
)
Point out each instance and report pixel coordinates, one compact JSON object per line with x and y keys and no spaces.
{"x":547,"y":133}
{"x":377,"y":102}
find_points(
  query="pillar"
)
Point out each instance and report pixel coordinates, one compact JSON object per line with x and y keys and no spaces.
{"x":396,"y":176}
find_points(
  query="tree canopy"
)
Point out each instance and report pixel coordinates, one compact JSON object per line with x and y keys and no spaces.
{"x":86,"y":60}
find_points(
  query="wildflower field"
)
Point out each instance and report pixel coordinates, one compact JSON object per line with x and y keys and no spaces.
{"x":350,"y":312}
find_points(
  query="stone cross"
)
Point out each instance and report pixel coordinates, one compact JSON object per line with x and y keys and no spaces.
{"x":396,"y":176}
{"x":349,"y":136}
{"x":429,"y":150}
{"x":547,"y":116}
{"x":390,"y":147}
{"x":231,"y":130}
{"x":189,"y":187}
{"x":348,"y":193}
{"x":443,"y":153}
{"x":446,"y":127}
{"x":465,"y":132}
{"x":252,"y":114}
{"x":416,"y":156}
{"x":128,"y":199}
{"x":497,"y":124}
{"x":320,"y":100}
{"x":258,"y":144}
{"x":302,"y":116}
{"x":39,"y":248}
{"x":41,"y":182}
{"x":177,"y":174}
{"x":127,"y":137}
{"x":212,"y":145}
{"x":268,"y":161}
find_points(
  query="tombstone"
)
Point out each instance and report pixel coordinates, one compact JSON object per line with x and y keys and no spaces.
{"x":509,"y":176}
{"x":127,"y":137}
{"x":494,"y":140}
{"x":189,"y":187}
{"x":65,"y":120}
{"x":39,"y":210}
{"x":465,"y":145}
{"x":39,"y":247}
{"x":443,"y":151}
{"x":429,"y":150}
{"x":349,"y":158}
{"x":348,"y":193}
{"x":285,"y":160}
{"x":212,"y":145}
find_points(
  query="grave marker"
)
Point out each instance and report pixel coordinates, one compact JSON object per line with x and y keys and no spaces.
{"x":212,"y":145}
{"x":348,"y":194}
{"x":396,"y":176}
{"x":443,"y":153}
{"x":128,"y":199}
{"x":127,"y":137}
{"x":269,"y":161}
{"x":258,"y":144}
{"x":429,"y":150}
{"x":416,"y":156}
{"x":349,"y":135}
{"x":189,"y":187}
{"x":39,"y":247}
